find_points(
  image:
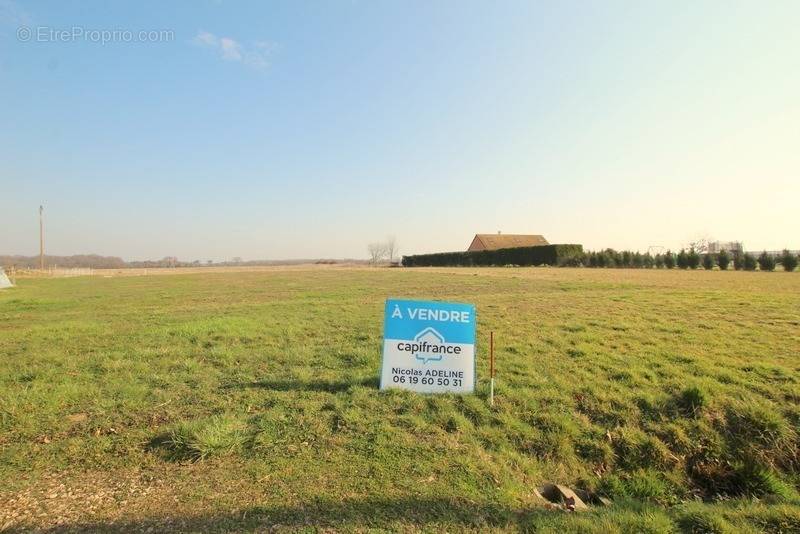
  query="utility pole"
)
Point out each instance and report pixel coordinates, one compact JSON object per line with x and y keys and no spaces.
{"x":41,"y":238}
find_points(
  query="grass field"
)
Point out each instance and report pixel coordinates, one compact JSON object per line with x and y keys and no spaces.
{"x":249,"y":401}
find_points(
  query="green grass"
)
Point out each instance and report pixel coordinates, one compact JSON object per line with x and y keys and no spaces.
{"x":236,"y":401}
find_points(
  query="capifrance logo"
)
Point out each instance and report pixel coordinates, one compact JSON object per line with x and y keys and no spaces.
{"x":429,"y":346}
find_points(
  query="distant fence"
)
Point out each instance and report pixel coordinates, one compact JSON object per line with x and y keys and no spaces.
{"x":49,"y":272}
{"x":524,"y":256}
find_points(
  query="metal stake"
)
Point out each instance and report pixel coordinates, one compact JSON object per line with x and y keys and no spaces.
{"x":491,"y":368}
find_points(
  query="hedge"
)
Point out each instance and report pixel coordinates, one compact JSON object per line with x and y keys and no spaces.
{"x":574,"y":256}
{"x":524,"y":256}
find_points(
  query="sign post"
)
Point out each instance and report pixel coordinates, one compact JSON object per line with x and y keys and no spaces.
{"x":429,"y":347}
{"x":491,"y":368}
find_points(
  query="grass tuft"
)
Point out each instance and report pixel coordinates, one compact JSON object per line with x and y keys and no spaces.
{"x":758,"y":424}
{"x":642,"y":485}
{"x":199,"y":439}
{"x":754,"y":480}
{"x":691,"y":401}
{"x":637,"y":450}
{"x":699,"y":520}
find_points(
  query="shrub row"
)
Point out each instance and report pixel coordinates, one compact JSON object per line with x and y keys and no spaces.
{"x":684,"y":259}
{"x":526,"y":256}
{"x":574,"y":256}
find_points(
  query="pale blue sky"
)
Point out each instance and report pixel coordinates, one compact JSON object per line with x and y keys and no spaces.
{"x":308,"y":129}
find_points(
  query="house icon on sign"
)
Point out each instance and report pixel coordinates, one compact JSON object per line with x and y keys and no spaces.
{"x":432,"y":337}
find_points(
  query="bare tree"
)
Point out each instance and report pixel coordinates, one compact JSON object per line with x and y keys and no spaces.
{"x":391,"y":247}
{"x":700,"y":243}
{"x":377,"y":251}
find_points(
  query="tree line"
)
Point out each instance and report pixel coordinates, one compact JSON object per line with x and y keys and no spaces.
{"x":68,"y":262}
{"x":687,"y":259}
{"x":95,"y":261}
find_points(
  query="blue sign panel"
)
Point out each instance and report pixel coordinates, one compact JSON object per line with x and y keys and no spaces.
{"x":429,"y":346}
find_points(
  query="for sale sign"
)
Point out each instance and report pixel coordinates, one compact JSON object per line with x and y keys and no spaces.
{"x":429,"y":347}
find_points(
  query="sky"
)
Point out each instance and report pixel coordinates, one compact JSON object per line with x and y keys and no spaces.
{"x":292,"y":129}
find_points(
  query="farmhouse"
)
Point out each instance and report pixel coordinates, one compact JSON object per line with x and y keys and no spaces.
{"x":715,"y":247}
{"x":498,"y":241}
